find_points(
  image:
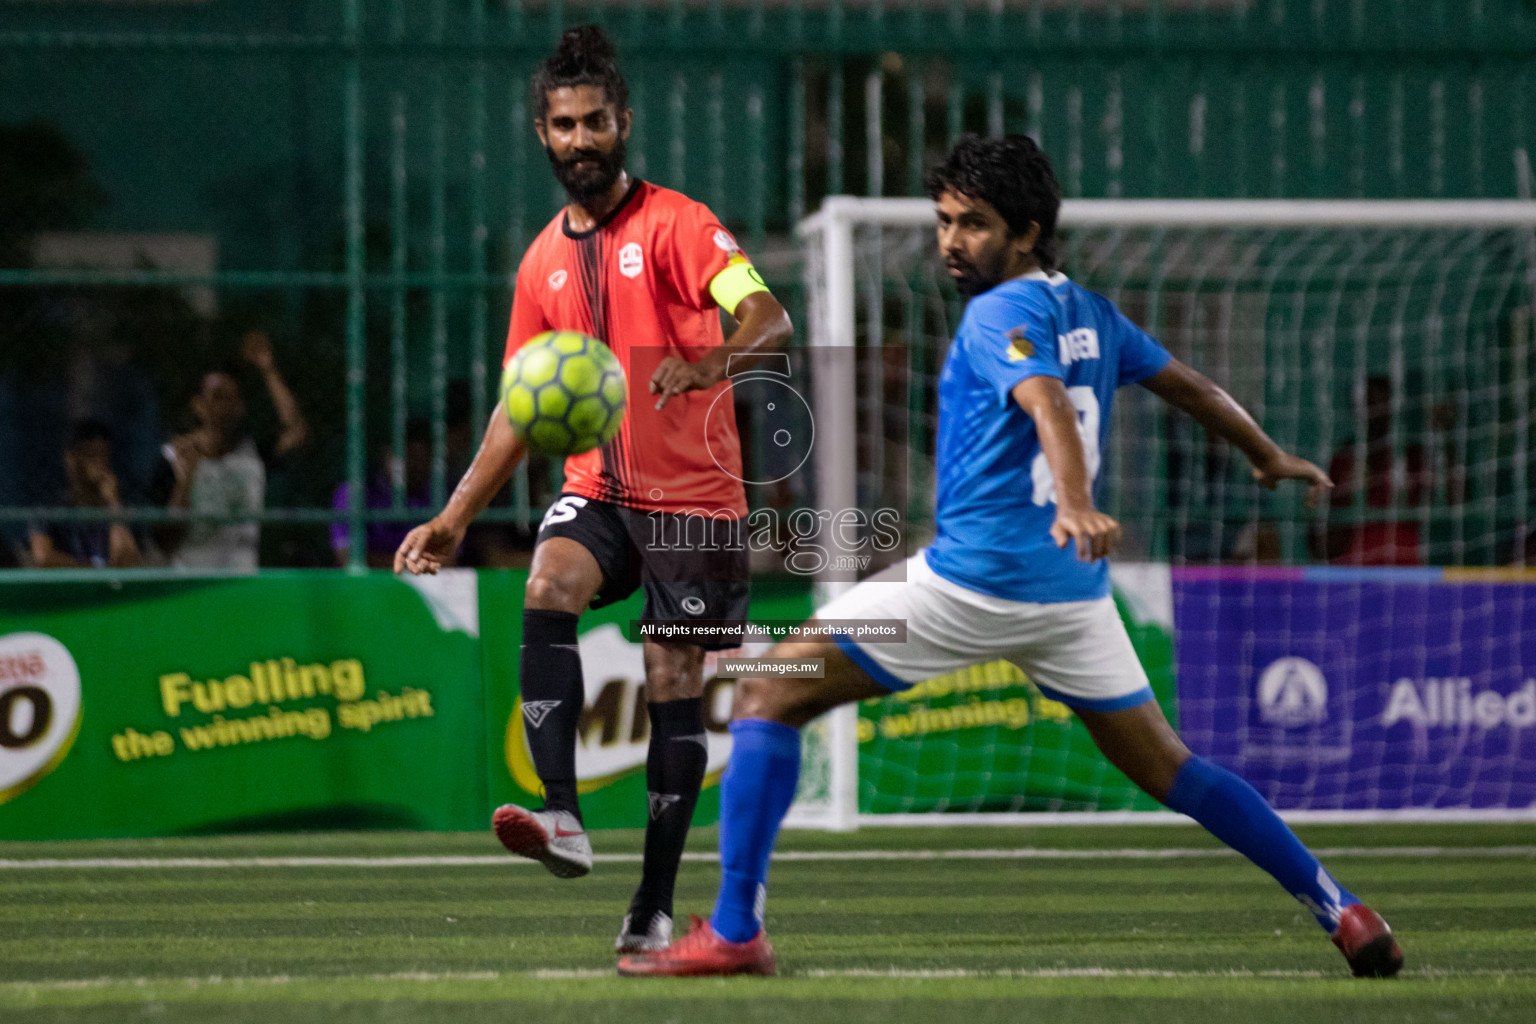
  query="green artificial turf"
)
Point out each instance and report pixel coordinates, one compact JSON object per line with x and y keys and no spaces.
{"x":1136,"y":938}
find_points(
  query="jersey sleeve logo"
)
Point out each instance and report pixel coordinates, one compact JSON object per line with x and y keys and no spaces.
{"x":557,"y":280}
{"x":631,"y":262}
{"x":724,"y":240}
{"x":1020,"y":348}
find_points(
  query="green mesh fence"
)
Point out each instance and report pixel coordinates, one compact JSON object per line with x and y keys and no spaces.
{"x":356,"y":180}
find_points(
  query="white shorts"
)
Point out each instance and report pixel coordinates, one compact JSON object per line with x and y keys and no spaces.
{"x":1077,"y":652}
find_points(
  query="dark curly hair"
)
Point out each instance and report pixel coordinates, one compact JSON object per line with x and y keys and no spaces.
{"x":1013,"y":175}
{"x":584,"y":57}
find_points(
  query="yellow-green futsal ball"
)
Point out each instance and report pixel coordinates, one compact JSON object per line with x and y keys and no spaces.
{"x":564,"y":393}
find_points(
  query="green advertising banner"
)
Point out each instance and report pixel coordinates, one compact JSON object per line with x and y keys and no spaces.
{"x":325,"y":700}
{"x":285,"y":701}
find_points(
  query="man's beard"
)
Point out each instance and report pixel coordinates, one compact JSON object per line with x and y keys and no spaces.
{"x":590,"y":183}
{"x":972,"y":282}
{"x":970,"y":285}
{"x":976,"y":278}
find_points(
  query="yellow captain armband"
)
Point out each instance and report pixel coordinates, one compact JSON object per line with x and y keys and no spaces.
{"x":738,"y":280}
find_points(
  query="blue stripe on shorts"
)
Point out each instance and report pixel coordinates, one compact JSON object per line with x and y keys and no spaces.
{"x":872,"y":668}
{"x":1136,"y":698}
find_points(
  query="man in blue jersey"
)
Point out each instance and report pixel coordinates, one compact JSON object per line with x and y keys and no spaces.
{"x":1017,"y":570}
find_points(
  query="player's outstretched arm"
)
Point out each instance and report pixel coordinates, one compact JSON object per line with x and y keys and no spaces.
{"x":1077,"y":521}
{"x":1186,"y":388}
{"x":762,"y":325}
{"x":431,"y":545}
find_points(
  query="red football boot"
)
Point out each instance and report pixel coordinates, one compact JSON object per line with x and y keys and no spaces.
{"x":702,"y":953}
{"x":1367,"y":943}
{"x":553,"y":838}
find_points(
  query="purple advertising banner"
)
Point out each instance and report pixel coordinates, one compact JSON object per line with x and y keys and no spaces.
{"x":1338,"y":689}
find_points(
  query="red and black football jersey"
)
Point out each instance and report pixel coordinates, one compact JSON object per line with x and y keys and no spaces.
{"x":640,"y":282}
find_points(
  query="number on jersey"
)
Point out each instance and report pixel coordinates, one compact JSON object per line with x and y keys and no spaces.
{"x":1087,"y":405}
{"x":563,"y":511}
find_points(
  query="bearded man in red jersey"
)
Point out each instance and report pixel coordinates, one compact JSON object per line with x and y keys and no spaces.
{"x":645,"y":269}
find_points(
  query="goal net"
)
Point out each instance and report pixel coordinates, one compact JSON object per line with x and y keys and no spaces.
{"x":1371,"y":657}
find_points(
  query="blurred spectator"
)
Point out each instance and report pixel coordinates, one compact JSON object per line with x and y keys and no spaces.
{"x":92,"y":484}
{"x":415,"y":472}
{"x":216,"y":469}
{"x":1397,"y":477}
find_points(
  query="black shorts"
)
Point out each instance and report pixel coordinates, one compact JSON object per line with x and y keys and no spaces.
{"x":693,"y":568}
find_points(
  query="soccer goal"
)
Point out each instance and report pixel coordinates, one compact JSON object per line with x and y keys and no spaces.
{"x":1371,"y":658}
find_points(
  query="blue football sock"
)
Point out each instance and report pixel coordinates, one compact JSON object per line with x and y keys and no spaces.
{"x":755,"y":794}
{"x":1234,"y":812}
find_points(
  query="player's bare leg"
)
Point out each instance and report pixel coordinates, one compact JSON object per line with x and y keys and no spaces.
{"x":1140,"y":742}
{"x":561,"y":583}
{"x":564,"y":577}
{"x":756,"y":792}
{"x":794,"y":702}
{"x":674,"y":772}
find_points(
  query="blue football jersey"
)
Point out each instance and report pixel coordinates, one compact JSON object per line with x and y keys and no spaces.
{"x":996,"y":496}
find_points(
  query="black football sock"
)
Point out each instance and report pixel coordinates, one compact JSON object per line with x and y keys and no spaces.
{"x":674,"y":771}
{"x":549,"y":671}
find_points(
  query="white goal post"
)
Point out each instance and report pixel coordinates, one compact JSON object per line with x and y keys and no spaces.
{"x":1300,"y":308}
